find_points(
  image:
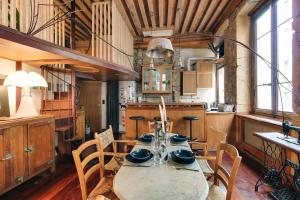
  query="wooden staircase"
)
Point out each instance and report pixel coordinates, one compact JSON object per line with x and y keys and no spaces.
{"x":59,"y":101}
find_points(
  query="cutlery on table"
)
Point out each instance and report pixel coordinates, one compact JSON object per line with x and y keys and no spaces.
{"x":129,"y":165}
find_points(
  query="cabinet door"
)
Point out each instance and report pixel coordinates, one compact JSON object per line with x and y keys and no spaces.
{"x":189,"y":83}
{"x":204,"y":74}
{"x":12,"y":156}
{"x":40,"y":146}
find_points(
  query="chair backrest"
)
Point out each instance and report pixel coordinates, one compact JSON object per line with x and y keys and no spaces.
{"x":84,"y":167}
{"x":220,"y":173}
{"x":214,"y":138}
{"x":105,"y":138}
{"x":152,"y":124}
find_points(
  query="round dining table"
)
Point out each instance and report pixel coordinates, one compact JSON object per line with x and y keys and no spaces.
{"x":167,"y":181}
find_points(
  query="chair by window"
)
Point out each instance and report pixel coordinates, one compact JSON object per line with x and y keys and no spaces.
{"x":105,"y":139}
{"x":221,"y":174}
{"x":151,"y":126}
{"x":86,"y":167}
{"x":214,"y":138}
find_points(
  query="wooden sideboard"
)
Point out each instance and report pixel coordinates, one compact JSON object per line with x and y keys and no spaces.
{"x":26,"y":149}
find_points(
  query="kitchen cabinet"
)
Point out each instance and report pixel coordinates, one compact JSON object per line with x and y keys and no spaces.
{"x":157,"y":80}
{"x":189,"y":83}
{"x":204,"y":74}
{"x":26,"y":149}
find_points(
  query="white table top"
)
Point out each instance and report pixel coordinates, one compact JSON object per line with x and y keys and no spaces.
{"x":160,"y":182}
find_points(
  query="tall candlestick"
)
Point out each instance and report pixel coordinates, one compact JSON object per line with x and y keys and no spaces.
{"x":162,"y":117}
{"x":164,"y":109}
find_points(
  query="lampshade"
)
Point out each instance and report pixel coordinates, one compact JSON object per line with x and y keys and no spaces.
{"x":160,"y":48}
{"x":24,"y":79}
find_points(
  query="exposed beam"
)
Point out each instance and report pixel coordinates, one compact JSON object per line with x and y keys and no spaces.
{"x":217,"y":13}
{"x":208,"y":14}
{"x":231,"y":7}
{"x":152,"y":13}
{"x":188,"y":16}
{"x":143,"y":13}
{"x":125,"y":17}
{"x":202,"y":7}
{"x":161,"y":12}
{"x":178,"y":15}
{"x":171,"y":12}
{"x":134,"y":15}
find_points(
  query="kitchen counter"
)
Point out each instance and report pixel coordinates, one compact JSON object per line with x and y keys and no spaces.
{"x":167,"y":104}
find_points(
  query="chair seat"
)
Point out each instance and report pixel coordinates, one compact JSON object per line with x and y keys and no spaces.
{"x":137,"y":117}
{"x":205,"y":167}
{"x":112,"y":165}
{"x":215,"y":192}
{"x":190,"y":118}
{"x":103,"y":189}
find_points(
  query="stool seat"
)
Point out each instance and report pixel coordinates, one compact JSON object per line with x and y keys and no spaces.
{"x":137,"y":118}
{"x":190,"y":118}
{"x":158,"y":118}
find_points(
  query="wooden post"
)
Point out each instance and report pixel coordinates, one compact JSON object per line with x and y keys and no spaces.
{"x":296,"y":58}
{"x":73,"y":24}
{"x":18,"y":90}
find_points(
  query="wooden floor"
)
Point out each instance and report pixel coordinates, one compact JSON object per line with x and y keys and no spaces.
{"x":64,"y":185}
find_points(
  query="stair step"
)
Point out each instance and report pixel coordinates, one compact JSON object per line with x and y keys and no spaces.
{"x":56,"y":104}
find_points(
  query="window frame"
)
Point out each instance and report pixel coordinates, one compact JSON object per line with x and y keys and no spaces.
{"x":274,"y":112}
{"x":218,"y":67}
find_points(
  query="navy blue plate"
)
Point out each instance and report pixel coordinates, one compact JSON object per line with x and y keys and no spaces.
{"x":146,"y":138}
{"x":139,"y":156}
{"x":183,"y":156}
{"x":178,"y":138}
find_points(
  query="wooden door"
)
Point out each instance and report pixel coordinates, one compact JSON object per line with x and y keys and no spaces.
{"x":40,"y":146}
{"x":12,"y":156}
{"x":90,"y":99}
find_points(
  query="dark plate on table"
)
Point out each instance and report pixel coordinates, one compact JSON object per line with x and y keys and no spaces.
{"x":139,"y":156}
{"x":177,"y":138}
{"x":183,"y":156}
{"x":147,"y":138}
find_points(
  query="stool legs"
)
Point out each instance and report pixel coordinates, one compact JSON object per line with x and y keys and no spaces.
{"x":191,"y":130}
{"x":136,"y":129}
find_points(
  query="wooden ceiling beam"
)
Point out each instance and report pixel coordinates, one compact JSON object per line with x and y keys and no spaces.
{"x":178,"y":14}
{"x":85,"y":9}
{"x":202,"y":7}
{"x":125,"y":17}
{"x":171,"y":12}
{"x":152,"y":13}
{"x":161,"y":12}
{"x":188,"y":17}
{"x":143,"y":13}
{"x":209,"y":12}
{"x":231,"y":7}
{"x":134,"y":15}
{"x":222,"y":6}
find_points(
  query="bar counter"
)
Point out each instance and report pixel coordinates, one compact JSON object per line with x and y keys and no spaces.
{"x":175,"y":112}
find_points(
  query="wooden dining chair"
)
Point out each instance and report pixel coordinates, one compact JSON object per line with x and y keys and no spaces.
{"x":221,"y":174}
{"x":214,"y":138}
{"x":105,"y":139}
{"x":151,"y":126}
{"x":86,"y":167}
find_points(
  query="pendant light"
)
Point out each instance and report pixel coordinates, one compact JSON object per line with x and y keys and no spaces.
{"x":179,"y":63}
{"x":159,"y":47}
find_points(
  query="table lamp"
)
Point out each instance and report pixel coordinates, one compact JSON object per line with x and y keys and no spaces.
{"x":25,"y":81}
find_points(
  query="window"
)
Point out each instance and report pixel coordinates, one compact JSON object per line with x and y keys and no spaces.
{"x":220,"y":87}
{"x":273,"y":41}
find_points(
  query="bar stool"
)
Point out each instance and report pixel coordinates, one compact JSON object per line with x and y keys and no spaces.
{"x":136,"y":118}
{"x":191,"y":119}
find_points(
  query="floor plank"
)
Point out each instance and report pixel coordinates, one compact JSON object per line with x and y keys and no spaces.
{"x":64,"y":184}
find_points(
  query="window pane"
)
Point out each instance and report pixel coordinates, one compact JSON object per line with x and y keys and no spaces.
{"x":263,"y":23}
{"x":286,"y":98}
{"x":264,"y":97}
{"x":263,"y":48}
{"x":221,"y":85}
{"x":284,"y":52}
